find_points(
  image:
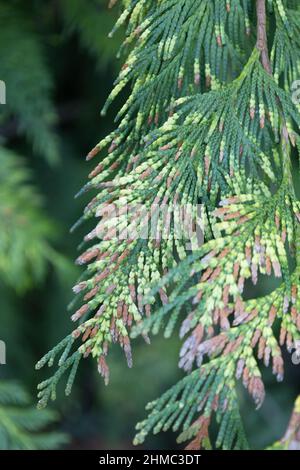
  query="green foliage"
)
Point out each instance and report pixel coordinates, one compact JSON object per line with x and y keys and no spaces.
{"x":21,"y":425}
{"x":196,"y":393}
{"x":26,"y":70}
{"x":26,"y":232}
{"x":91,"y":21}
{"x":291,"y":438}
{"x":28,"y":80}
{"x":211,"y":120}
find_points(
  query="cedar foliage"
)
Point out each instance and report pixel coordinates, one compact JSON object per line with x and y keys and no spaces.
{"x":26,"y":232}
{"x":291,"y":438}
{"x":21,"y":425}
{"x":210,"y":119}
{"x":26,"y":69}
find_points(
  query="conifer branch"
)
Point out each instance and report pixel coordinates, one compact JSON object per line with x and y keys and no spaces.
{"x":207,"y":120}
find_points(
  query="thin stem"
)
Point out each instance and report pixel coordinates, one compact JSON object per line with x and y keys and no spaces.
{"x":262,"y":41}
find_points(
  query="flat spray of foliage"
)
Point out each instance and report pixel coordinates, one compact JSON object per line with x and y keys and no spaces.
{"x":210,"y":119}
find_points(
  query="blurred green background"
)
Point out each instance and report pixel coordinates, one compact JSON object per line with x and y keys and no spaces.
{"x":59,"y":66}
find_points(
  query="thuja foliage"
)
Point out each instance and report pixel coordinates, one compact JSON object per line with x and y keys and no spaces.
{"x":90,"y":20}
{"x":26,"y":233}
{"x":25,"y":41}
{"x":291,"y":439}
{"x":24,"y":70}
{"x":210,"y":119}
{"x":21,"y":425}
